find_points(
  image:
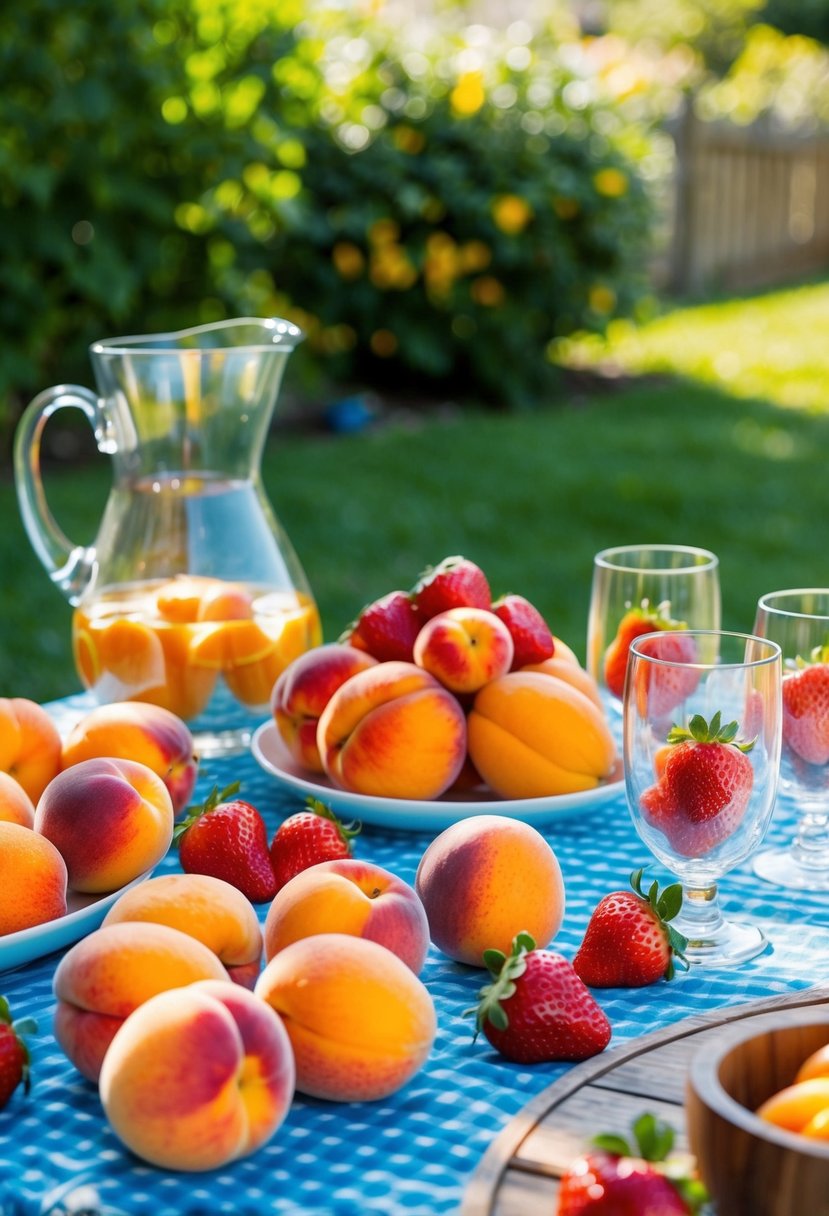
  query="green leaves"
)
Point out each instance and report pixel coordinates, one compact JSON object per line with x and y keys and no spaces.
{"x":665,"y":906}
{"x":700,"y":731}
{"x":505,"y":970}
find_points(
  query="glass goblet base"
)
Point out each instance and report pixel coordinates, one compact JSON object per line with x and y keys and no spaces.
{"x":713,"y":940}
{"x":785,"y":868}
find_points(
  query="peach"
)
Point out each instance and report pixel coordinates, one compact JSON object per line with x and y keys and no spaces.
{"x":464,"y":648}
{"x":179,"y":599}
{"x":350,"y":896}
{"x":394,"y":731}
{"x":111,"y":820}
{"x":486,"y":878}
{"x":570,"y":673}
{"x":532,"y":735}
{"x":209,"y":909}
{"x":108,"y":974}
{"x":225,"y":602}
{"x":32,"y":879}
{"x":29,"y":744}
{"x":198,"y":1077}
{"x":147,"y":733}
{"x":15,"y":804}
{"x":304,"y":689}
{"x":563,"y":651}
{"x":360,"y":1021}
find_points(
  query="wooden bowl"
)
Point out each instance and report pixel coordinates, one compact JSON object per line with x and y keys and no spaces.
{"x":750,"y":1167}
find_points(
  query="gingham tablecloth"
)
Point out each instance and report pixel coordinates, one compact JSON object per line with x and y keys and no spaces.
{"x":412,"y":1153}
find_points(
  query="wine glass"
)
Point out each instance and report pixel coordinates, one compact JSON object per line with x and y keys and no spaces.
{"x":702,"y":759}
{"x":799,"y":622}
{"x":640,"y":588}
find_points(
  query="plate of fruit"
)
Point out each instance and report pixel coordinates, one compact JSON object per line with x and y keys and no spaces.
{"x":439,"y":703}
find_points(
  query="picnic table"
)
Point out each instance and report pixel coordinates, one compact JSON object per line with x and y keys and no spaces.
{"x":419,"y":1152}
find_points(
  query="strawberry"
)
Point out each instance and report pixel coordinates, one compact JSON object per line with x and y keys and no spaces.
{"x":228,"y":840}
{"x":635,"y":624}
{"x":537,"y":1009}
{"x":531,"y":635}
{"x":307,"y":837}
{"x":628,"y":942}
{"x":706,"y":783}
{"x":14,"y":1054}
{"x":806,"y":712}
{"x":609,"y":1180}
{"x":664,"y":688}
{"x":455,"y":582}
{"x":386,"y":628}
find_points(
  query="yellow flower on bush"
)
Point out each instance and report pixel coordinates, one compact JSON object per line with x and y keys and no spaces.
{"x":612,"y":183}
{"x":442,"y":264}
{"x":383,"y":342}
{"x":348,"y":260}
{"x":566,"y":208}
{"x":468,"y":94}
{"x":384,"y":232}
{"x":390,"y":268}
{"x":407,"y":139}
{"x":602,"y":299}
{"x":487,"y":291}
{"x":474,"y":255}
{"x":511,"y":213}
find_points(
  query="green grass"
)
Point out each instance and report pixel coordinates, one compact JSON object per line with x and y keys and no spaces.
{"x":531,"y":497}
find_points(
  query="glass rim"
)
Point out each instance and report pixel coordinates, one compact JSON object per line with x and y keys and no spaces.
{"x":764,"y":603}
{"x":604,"y":559}
{"x":773,"y":647}
{"x":284,"y":335}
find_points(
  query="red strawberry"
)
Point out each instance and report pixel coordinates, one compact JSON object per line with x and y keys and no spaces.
{"x":628,"y":942}
{"x":228,"y":840}
{"x":635,"y":624}
{"x":531,"y":635}
{"x":610,"y":1181}
{"x":14,"y":1054}
{"x":309,"y":836}
{"x":702,"y":795}
{"x":537,"y":1008}
{"x":664,"y":688}
{"x":806,"y":712}
{"x":386,"y":628}
{"x":455,"y":582}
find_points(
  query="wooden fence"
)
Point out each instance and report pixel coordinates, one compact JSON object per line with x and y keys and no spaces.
{"x":750,"y":207}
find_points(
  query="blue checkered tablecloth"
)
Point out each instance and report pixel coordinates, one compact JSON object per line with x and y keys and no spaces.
{"x":413,"y":1153}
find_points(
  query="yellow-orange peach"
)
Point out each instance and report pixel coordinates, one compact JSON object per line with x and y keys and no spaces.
{"x":570,"y":673}
{"x":209,"y":909}
{"x":198,"y":1077}
{"x":464,"y":648}
{"x":15,"y":804}
{"x":32,"y":879}
{"x":133,"y":730}
{"x":563,"y":651}
{"x":486,"y":878}
{"x":349,"y":896}
{"x":111,"y":820}
{"x":111,"y":972}
{"x":303,"y":690}
{"x":393,"y":731}
{"x":360,"y":1021}
{"x":30,"y":744}
{"x":532,"y":735}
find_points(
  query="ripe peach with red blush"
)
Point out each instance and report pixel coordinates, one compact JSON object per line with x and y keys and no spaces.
{"x":30,"y":744}
{"x":33,"y":879}
{"x":464,"y":648}
{"x":350,"y":896}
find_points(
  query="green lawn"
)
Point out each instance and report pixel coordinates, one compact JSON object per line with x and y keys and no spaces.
{"x":531,"y":497}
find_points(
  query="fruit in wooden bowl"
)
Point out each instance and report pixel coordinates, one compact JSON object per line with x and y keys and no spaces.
{"x":751,"y":1166}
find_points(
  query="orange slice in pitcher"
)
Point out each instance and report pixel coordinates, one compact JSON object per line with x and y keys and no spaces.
{"x":179,"y":600}
{"x":132,"y":653}
{"x":85,"y":654}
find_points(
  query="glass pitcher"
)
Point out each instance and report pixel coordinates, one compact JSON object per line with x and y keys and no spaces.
{"x":191,"y":596}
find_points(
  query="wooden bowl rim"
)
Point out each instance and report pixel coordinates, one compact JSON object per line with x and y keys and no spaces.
{"x":703,"y":1077}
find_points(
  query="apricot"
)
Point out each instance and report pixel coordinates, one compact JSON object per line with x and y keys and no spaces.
{"x":179,"y":599}
{"x":564,"y":669}
{"x":393,"y":731}
{"x":209,"y":909}
{"x":33,"y":879}
{"x":349,"y":896}
{"x":108,"y":974}
{"x":360,"y":1021}
{"x":815,"y":1065}
{"x":133,"y":730}
{"x":131,"y":658}
{"x":464,"y":648}
{"x":486,"y":878}
{"x":111,"y":820}
{"x":198,"y":1077}
{"x":303,"y":690}
{"x":563,"y":651}
{"x":533,"y":735}
{"x":187,"y":687}
{"x":30,"y":744}
{"x":15,"y":804}
{"x":795,"y":1106}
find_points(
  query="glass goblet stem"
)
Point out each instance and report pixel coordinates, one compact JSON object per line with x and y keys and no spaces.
{"x":811,"y":844}
{"x":700,"y":918}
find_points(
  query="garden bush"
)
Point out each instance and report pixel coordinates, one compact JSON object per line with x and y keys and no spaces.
{"x":429,"y":212}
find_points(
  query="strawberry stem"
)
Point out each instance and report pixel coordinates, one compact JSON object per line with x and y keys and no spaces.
{"x":347,"y":830}
{"x":214,"y":798}
{"x":505,"y":970}
{"x":665,"y":905}
{"x":700,"y":731}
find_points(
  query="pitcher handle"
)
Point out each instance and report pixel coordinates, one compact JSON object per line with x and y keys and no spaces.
{"x":69,"y":566}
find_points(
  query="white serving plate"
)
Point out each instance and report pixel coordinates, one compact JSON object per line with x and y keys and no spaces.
{"x":270,"y":752}
{"x":85,"y":913}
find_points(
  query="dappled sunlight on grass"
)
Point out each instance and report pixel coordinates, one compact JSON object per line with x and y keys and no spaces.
{"x":772,"y":347}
